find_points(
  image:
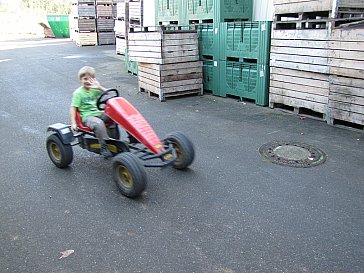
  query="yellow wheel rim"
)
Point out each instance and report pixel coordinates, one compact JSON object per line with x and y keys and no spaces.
{"x":124,"y":176}
{"x":55,"y":151}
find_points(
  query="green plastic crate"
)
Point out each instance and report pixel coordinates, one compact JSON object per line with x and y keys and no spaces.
{"x":208,"y":40}
{"x":226,"y":10}
{"x":200,"y":10}
{"x":211,"y":76}
{"x":245,"y":80}
{"x":249,"y":40}
{"x":130,"y":66}
{"x":60,"y":25}
{"x":168,"y":10}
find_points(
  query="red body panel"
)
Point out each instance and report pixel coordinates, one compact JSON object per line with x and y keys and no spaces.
{"x":123,"y":113}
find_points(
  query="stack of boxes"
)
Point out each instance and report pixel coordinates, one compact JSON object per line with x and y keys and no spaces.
{"x":121,"y":26}
{"x":105,"y":22}
{"x":92,"y":22}
{"x":83,"y":22}
{"x":168,"y":61}
{"x":316,"y":67}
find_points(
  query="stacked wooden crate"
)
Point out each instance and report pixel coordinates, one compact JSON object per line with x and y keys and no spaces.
{"x":346,"y":61}
{"x":168,"y":61}
{"x":83,"y":22}
{"x":136,"y":13}
{"x":121,"y":26}
{"x":105,"y":22}
{"x":300,"y":55}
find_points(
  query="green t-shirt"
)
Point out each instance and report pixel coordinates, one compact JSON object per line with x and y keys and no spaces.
{"x":85,"y":101}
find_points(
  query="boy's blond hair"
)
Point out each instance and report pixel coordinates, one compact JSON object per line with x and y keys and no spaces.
{"x":86,"y":70}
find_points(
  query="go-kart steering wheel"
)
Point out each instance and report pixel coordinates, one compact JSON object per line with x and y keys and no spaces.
{"x":105,"y":96}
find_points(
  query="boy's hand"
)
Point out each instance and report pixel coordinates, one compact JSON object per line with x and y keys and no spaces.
{"x":95,"y":84}
{"x":74,"y":128}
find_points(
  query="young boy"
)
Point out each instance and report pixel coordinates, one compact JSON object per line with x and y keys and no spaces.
{"x":84,"y":100}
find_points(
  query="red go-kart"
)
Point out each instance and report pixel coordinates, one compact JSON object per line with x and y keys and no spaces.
{"x":143,"y":149}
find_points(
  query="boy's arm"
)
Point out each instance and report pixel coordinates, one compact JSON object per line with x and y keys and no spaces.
{"x":96,"y":84}
{"x":73,"y":118}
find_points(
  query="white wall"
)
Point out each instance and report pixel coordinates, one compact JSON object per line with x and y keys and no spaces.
{"x":149,"y":13}
{"x":263,"y":10}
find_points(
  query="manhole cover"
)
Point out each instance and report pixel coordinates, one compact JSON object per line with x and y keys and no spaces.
{"x":293,"y":154}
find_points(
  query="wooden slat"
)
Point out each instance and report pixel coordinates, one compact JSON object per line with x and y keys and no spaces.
{"x":300,"y":74}
{"x":347,"y":107}
{"x":346,"y":81}
{"x":300,"y":84}
{"x":346,"y":116}
{"x":302,"y":34}
{"x":278,"y":89}
{"x":347,"y":91}
{"x":312,"y":52}
{"x":347,"y":54}
{"x":295,"y":6}
{"x":299,"y":103}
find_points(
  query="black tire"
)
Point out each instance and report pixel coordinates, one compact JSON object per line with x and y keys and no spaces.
{"x":184,"y":149}
{"x":60,"y":154}
{"x":129,"y":174}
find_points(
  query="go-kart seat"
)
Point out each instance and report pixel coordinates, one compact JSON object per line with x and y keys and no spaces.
{"x":83,"y":127}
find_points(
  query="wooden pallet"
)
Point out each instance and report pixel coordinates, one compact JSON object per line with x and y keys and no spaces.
{"x":163,"y":47}
{"x":167,"y":80}
{"x":305,"y":50}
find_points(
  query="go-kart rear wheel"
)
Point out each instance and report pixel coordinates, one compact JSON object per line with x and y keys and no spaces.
{"x":129,"y":174}
{"x":184,"y":150}
{"x":60,"y":154}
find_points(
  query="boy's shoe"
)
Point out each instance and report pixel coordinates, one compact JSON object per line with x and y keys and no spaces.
{"x":104,"y":151}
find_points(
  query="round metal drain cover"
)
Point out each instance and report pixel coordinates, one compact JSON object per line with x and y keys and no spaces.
{"x":293,"y":154}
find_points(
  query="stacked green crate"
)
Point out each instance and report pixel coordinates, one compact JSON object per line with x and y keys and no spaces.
{"x":200,"y":10}
{"x":229,"y":10}
{"x":208,"y":40}
{"x":169,"y":11}
{"x":130,"y":66}
{"x":244,"y":55}
{"x":211,"y":76}
{"x":246,"y":80}
{"x":248,"y":40}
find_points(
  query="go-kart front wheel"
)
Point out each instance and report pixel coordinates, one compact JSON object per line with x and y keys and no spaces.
{"x":60,"y":154}
{"x":129,"y":174}
{"x":184,"y":150}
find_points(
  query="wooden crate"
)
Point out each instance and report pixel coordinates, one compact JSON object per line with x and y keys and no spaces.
{"x":121,"y":28}
{"x":295,"y":6}
{"x":104,"y":11}
{"x":105,"y":24}
{"x":85,"y":24}
{"x":300,"y":90}
{"x":86,"y":38}
{"x":122,"y":10}
{"x":106,"y":38}
{"x":346,"y":61}
{"x":163,"y":47}
{"x":136,"y":10}
{"x":121,"y":45}
{"x":170,"y":80}
{"x":346,"y":52}
{"x":84,"y":10}
{"x":100,"y":2}
{"x":346,"y":100}
{"x":305,"y":50}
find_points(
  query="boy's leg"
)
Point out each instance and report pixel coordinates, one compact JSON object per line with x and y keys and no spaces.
{"x":98,"y":126}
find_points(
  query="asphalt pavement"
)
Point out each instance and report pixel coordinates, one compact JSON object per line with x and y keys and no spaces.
{"x":232,"y":211}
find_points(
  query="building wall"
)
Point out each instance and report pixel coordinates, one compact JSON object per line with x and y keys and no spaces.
{"x":263,"y":10}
